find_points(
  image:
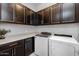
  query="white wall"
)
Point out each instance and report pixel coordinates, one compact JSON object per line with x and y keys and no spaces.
{"x":17,"y":28}
{"x":70,"y":29}
{"x":44,"y":5}
{"x":38,"y":6}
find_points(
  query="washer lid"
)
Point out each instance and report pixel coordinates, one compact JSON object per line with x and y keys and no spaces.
{"x":64,"y":39}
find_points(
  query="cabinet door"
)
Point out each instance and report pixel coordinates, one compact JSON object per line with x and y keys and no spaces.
{"x":19,"y":13}
{"x":32,"y":17}
{"x":0,"y":11}
{"x":18,"y":48}
{"x":77,"y":11}
{"x":55,"y":14}
{"x":35,"y":19}
{"x":28,"y":16}
{"x":7,"y":12}
{"x":12,"y":49}
{"x":40,"y":17}
{"x":47,"y":15}
{"x":68,"y":12}
{"x":6,"y":52}
{"x":29,"y":46}
{"x":60,"y":49}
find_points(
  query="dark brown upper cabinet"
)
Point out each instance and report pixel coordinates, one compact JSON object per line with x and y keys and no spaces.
{"x":6,"y":12}
{"x":35,"y":19}
{"x":67,"y":12}
{"x":55,"y":14}
{"x":47,"y":16}
{"x":19,"y":13}
{"x":40,"y":17}
{"x":28,"y":16}
{"x":60,"y":13}
{"x":11,"y":7}
{"x":31,"y":17}
{"x":77,"y":11}
{"x":50,"y":15}
{"x":0,"y":11}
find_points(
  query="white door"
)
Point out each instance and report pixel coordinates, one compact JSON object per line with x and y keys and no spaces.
{"x":41,"y":46}
{"x":60,"y":49}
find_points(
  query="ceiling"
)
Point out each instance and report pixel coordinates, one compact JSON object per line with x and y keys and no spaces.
{"x":37,"y":6}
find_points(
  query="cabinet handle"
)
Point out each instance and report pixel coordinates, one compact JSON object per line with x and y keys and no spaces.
{"x":14,"y":51}
{"x":4,"y":53}
{"x":28,"y":39}
{"x":13,"y":44}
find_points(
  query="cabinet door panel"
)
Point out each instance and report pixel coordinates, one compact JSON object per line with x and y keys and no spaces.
{"x":6,"y":52}
{"x":47,"y":15}
{"x":19,"y":13}
{"x":19,"y":50}
{"x":77,"y":12}
{"x":55,"y":14}
{"x":28,"y":16}
{"x":35,"y":19}
{"x":0,"y":11}
{"x":68,"y":12}
{"x":7,"y":12}
{"x":40,"y":17}
{"x":29,"y":46}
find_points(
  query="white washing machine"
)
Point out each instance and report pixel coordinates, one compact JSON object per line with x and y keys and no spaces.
{"x":41,"y":45}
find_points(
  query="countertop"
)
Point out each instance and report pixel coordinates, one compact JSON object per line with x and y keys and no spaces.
{"x":64,"y":39}
{"x":12,"y":38}
{"x":27,"y":35}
